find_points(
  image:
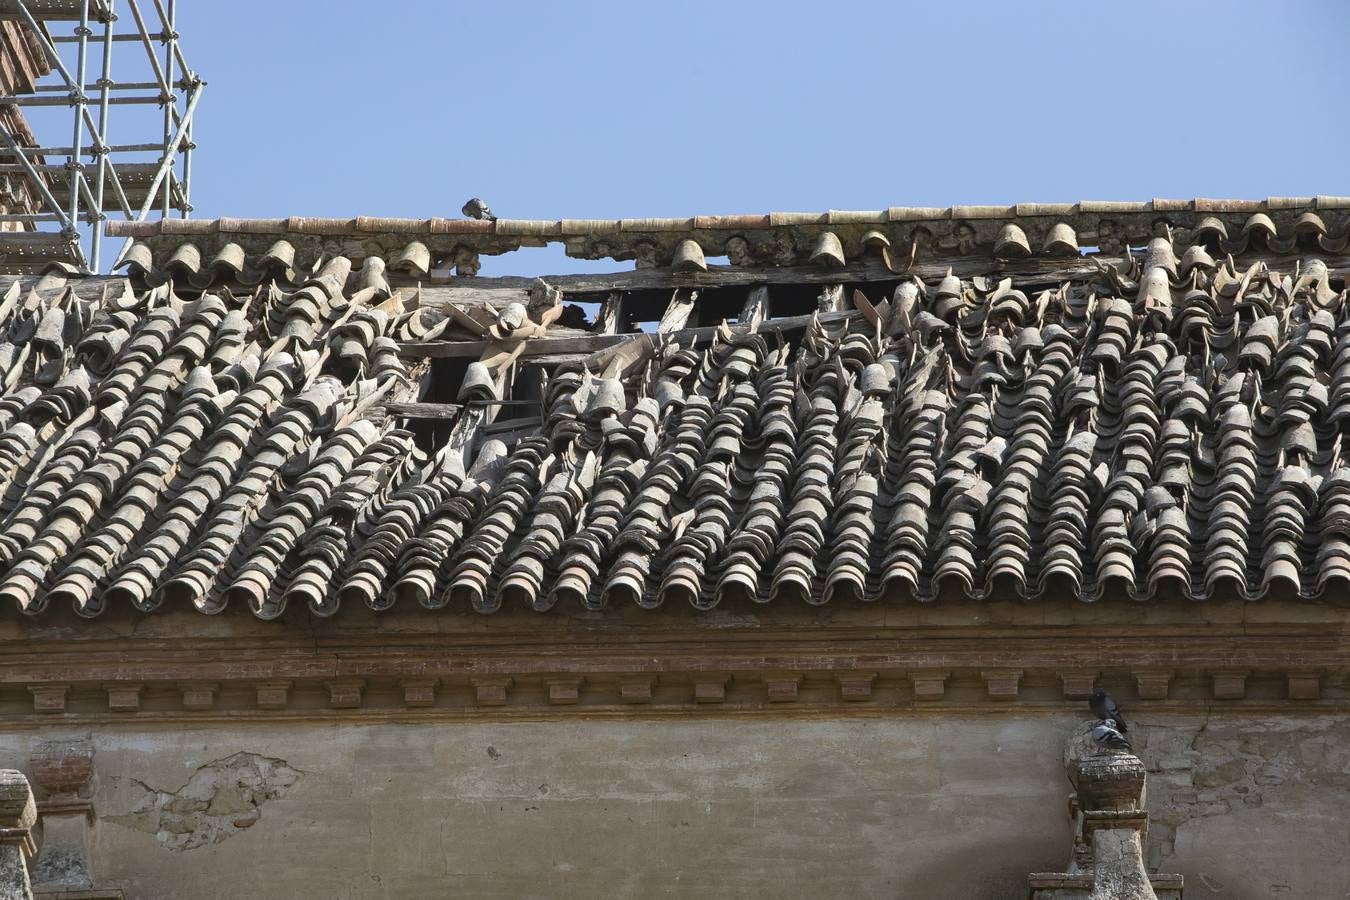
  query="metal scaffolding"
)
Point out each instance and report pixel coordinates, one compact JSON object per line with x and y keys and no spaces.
{"x":78,"y":192}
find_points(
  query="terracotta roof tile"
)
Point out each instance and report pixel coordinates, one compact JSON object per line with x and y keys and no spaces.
{"x":1168,"y":424}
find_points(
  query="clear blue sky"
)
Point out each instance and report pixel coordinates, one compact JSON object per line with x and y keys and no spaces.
{"x":551,"y":110}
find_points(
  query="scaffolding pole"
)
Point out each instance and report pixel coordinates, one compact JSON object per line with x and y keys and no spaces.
{"x":87,"y":196}
{"x":77,"y":97}
{"x":101,"y":151}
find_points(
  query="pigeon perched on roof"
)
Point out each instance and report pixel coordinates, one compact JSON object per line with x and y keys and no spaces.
{"x":1103,"y":707}
{"x":477,"y":209}
{"x":1105,"y":734}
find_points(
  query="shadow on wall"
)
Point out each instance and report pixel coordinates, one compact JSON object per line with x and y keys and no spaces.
{"x":990,"y":871}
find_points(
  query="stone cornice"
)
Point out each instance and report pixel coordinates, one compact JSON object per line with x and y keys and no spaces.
{"x":543,"y":667}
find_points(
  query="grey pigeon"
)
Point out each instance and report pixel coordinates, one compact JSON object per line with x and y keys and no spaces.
{"x":477,"y":209}
{"x":1103,"y":707}
{"x":1106,"y":735}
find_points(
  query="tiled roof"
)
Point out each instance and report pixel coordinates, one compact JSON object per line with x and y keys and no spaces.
{"x":1168,"y":424}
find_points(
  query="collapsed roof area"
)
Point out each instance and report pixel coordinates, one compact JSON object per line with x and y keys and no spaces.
{"x":904,"y":405}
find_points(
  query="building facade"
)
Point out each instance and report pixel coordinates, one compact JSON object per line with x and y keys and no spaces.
{"x":334,"y":569}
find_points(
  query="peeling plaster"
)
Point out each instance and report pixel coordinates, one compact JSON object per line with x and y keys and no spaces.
{"x":221,"y":799}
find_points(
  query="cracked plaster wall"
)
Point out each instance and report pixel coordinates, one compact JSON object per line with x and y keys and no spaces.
{"x":906,"y":806}
{"x":1250,"y":807}
{"x":219,"y":800}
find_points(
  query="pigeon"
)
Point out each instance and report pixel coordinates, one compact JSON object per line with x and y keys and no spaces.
{"x":1103,"y":707}
{"x":477,"y":209}
{"x":1107,"y":735}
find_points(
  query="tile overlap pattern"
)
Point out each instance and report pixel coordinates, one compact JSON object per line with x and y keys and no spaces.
{"x":1171,"y":428}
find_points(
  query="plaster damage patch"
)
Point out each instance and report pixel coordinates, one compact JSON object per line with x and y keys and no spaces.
{"x":220,"y":799}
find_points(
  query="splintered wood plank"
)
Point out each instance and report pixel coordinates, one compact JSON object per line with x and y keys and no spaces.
{"x":677,"y":313}
{"x":496,"y":296}
{"x":607,"y":321}
{"x":423,"y":410}
{"x":1031,"y":271}
{"x":564,"y":349}
{"x":756,"y":307}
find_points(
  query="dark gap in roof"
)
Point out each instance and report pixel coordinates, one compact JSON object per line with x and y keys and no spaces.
{"x":793,"y":299}
{"x":717,"y":304}
{"x":524,"y":393}
{"x":642,"y":310}
{"x":440,"y":385}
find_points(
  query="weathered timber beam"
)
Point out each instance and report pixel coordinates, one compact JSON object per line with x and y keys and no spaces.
{"x":677,"y":313}
{"x":756,"y":307}
{"x":607,"y":322}
{"x":1040,"y":270}
{"x":568,"y":346}
{"x":422,"y":410}
{"x":506,"y":289}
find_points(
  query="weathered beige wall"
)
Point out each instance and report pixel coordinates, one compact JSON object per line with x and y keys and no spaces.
{"x":912,"y":806}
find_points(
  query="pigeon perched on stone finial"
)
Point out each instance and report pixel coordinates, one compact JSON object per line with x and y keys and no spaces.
{"x":477,"y":209}
{"x":1103,"y":707}
{"x":1105,"y":734}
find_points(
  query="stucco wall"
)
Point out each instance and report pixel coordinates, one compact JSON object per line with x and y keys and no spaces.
{"x":911,"y":806}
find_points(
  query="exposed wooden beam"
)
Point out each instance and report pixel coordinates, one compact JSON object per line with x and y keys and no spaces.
{"x":418,"y":410}
{"x":567,"y":346}
{"x":677,"y":313}
{"x":607,"y":321}
{"x":423,"y":410}
{"x":502,"y":290}
{"x":756,"y":307}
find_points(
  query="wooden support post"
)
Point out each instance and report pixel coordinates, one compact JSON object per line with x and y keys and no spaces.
{"x":756,"y":307}
{"x":607,"y":320}
{"x":677,"y":313}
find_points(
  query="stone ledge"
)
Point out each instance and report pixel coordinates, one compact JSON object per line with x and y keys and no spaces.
{"x":747,"y":690}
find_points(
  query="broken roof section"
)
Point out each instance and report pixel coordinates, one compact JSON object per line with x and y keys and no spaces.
{"x":996,"y":421}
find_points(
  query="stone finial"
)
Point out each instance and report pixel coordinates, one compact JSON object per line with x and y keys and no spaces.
{"x":1111,"y":781}
{"x":1107,"y":858}
{"x":18,"y":809}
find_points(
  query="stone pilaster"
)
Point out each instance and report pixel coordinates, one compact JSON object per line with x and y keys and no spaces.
{"x":64,"y":770}
{"x":1107,"y":858}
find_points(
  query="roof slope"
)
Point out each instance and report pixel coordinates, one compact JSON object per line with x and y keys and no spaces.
{"x":1166,"y":422}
